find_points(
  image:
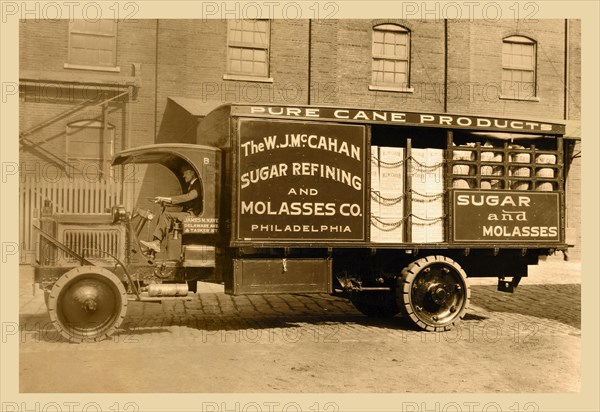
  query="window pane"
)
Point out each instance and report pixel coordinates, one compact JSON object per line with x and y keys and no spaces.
{"x":401,"y":50}
{"x":261,"y":26}
{"x":247,"y":37}
{"x":388,"y":66}
{"x":260,"y":55}
{"x":388,"y":77}
{"x":236,"y":66}
{"x":377,"y":36}
{"x":84,"y":56}
{"x":107,"y":27}
{"x":378,"y":48}
{"x":400,"y":78}
{"x":235,"y":53}
{"x":388,"y":37}
{"x":528,"y":89}
{"x":105,"y":58}
{"x":260,"y":68}
{"x":401,"y":67}
{"x":78,"y":25}
{"x":247,"y":67}
{"x":246,"y":54}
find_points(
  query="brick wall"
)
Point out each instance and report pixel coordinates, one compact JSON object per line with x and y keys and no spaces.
{"x":475,"y":64}
{"x":192,"y":59}
{"x":574,"y":181}
{"x":43,"y":52}
{"x":341,"y":65}
{"x":573,"y":198}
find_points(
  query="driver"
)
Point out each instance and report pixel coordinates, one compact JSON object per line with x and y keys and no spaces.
{"x":191,"y":203}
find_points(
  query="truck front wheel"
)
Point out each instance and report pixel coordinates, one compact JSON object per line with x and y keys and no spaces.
{"x":87,"y":303}
{"x":433,"y":293}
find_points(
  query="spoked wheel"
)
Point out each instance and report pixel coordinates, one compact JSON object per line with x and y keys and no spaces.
{"x":87,"y":303}
{"x":433,"y":293}
{"x":375,"y":304}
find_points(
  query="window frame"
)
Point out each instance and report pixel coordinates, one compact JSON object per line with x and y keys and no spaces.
{"x":519,"y":39}
{"x":70,"y":65}
{"x":233,"y":75}
{"x":392,"y":87}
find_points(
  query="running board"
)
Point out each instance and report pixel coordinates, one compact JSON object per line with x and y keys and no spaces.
{"x":159,"y":299}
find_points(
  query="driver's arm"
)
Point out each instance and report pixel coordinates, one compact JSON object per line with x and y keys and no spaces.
{"x":191,"y":195}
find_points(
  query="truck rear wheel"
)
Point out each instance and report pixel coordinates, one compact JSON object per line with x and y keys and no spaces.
{"x":433,"y":293}
{"x":87,"y":304}
{"x":375,"y":304}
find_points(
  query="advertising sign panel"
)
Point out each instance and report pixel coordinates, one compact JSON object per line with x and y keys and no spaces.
{"x":506,"y":216}
{"x":401,"y":117}
{"x":301,"y":181}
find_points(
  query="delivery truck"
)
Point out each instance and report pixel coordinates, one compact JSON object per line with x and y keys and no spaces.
{"x":393,"y":210}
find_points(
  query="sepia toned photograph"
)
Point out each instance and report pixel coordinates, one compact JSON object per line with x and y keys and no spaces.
{"x":284,"y":199}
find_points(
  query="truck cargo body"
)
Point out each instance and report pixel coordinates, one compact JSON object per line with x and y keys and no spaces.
{"x":372,"y":190}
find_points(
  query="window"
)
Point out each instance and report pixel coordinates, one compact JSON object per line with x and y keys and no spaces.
{"x":88,"y":151}
{"x":93,"y":45}
{"x":391,"y":58}
{"x":248,"y":49}
{"x":518,"y":68}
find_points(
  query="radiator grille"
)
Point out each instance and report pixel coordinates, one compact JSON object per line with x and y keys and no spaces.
{"x":91,"y":243}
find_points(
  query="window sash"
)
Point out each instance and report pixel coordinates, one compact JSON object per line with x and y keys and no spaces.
{"x":519,"y":68}
{"x":248,"y":47}
{"x":93,"y":43}
{"x":392,"y":68}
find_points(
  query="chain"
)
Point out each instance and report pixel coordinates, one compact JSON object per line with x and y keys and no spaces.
{"x":425,"y":166}
{"x":388,"y":226}
{"x":386,"y":200}
{"x":392,"y":165}
{"x":428,"y":197}
{"x":431,"y":221}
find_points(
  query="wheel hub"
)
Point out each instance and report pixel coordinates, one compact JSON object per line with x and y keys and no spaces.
{"x":88,"y":303}
{"x":438,"y":293}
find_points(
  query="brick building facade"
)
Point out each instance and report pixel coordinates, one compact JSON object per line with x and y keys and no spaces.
{"x":130,"y":83}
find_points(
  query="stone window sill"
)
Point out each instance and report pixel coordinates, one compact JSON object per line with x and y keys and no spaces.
{"x":397,"y":89}
{"x":116,"y":69}
{"x":241,"y":78}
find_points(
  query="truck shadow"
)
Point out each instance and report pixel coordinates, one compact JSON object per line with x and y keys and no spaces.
{"x":559,"y":303}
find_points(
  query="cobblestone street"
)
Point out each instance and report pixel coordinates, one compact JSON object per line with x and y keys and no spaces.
{"x":310,"y":343}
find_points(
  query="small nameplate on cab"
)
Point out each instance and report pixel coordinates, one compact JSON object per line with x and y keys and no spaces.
{"x":200,"y":225}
